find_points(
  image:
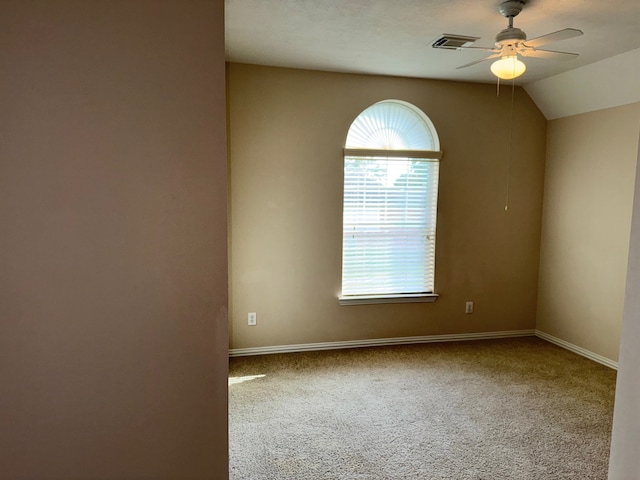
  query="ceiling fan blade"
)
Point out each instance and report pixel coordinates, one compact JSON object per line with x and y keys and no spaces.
{"x":548,"y":54}
{"x":495,"y":55}
{"x":553,"y":37}
{"x":484,"y":49}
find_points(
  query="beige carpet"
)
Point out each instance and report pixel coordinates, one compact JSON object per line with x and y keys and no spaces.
{"x":485,"y":410}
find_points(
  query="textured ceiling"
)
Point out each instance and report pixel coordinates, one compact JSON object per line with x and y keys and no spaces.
{"x":394,"y":37}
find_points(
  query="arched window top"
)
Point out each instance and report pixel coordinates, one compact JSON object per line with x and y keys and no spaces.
{"x":393,"y":125}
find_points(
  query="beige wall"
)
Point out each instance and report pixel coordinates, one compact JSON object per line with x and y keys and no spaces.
{"x":590,"y":170}
{"x":287,"y":129}
{"x":113,"y":275}
{"x":625,"y":448}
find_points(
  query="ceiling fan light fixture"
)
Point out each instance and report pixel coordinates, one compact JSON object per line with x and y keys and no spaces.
{"x":508,"y":67}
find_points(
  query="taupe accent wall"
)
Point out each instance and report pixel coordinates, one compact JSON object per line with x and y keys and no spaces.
{"x":113,"y":252}
{"x":287,"y":129}
{"x":589,"y":188}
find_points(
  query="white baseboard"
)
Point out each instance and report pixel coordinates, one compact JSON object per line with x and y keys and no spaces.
{"x":576,"y":349}
{"x":378,"y":342}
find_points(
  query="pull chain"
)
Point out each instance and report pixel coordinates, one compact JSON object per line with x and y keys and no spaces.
{"x":513,"y":88}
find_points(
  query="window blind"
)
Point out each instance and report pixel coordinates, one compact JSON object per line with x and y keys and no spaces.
{"x":389,"y":225}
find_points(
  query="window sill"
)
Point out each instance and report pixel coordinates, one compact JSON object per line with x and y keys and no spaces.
{"x":374,"y":299}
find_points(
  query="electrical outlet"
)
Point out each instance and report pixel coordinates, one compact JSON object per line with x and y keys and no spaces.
{"x":252,"y":318}
{"x":468,"y":308}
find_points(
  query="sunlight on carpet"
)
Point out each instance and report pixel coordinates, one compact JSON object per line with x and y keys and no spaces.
{"x":235,"y":380}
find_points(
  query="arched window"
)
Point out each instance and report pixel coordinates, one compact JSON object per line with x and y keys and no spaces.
{"x":391,"y":161}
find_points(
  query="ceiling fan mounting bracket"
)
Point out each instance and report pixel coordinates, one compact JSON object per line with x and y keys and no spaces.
{"x":511,"y":8}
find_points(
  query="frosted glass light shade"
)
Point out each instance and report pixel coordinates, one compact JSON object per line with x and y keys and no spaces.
{"x":508,"y":67}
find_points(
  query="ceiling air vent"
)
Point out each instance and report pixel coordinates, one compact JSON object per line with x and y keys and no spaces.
{"x":453,"y":42}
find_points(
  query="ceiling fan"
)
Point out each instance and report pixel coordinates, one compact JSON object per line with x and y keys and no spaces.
{"x":510,"y":43}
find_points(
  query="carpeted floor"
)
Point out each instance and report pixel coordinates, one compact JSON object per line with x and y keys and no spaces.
{"x":484,"y":410}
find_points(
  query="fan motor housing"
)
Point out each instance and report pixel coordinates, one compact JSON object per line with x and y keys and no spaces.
{"x":510,"y":35}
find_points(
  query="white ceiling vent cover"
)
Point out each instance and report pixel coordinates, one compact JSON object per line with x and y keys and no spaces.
{"x":453,"y":42}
